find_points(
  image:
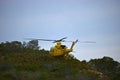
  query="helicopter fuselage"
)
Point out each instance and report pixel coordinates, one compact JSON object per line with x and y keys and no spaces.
{"x":60,"y":50}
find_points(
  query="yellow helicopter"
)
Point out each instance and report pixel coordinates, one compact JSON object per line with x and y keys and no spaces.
{"x":60,"y":50}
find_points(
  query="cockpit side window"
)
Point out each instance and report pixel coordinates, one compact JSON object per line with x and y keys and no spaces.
{"x":63,"y":46}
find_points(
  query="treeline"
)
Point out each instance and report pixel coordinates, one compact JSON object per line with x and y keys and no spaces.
{"x":17,"y":46}
{"x":30,"y":54}
{"x":25,"y":47}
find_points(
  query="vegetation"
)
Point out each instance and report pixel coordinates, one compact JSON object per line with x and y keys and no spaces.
{"x":25,"y":61}
{"x":107,"y":66}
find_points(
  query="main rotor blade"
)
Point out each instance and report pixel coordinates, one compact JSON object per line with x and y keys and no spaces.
{"x":81,"y":41}
{"x":63,"y":38}
{"x":39,"y":39}
{"x":54,"y":41}
{"x":60,"y":40}
{"x":45,"y":40}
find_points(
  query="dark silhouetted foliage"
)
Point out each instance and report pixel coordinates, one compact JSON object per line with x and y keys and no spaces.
{"x":33,"y":44}
{"x":107,"y":66}
{"x":25,"y":61}
{"x":16,"y":46}
{"x":8,"y":47}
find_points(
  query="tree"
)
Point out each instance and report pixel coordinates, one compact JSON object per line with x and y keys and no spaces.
{"x":107,"y":66}
{"x":33,"y":44}
{"x":13,"y":46}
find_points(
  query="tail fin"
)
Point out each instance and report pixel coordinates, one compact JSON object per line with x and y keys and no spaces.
{"x":74,"y":42}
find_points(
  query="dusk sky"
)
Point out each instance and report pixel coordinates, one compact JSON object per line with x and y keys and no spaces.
{"x":86,"y":20}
